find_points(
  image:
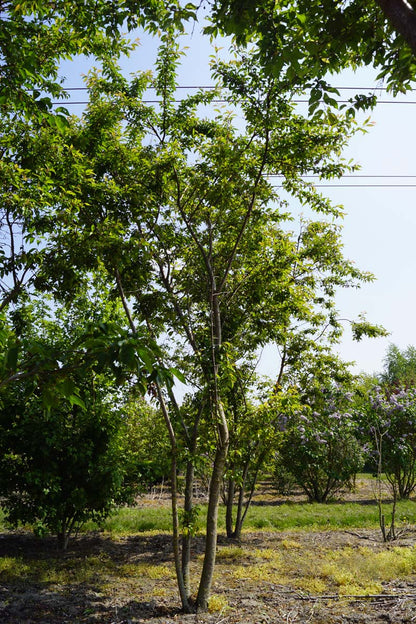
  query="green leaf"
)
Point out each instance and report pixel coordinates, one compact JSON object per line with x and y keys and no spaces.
{"x":74,"y":399}
{"x":11,"y":358}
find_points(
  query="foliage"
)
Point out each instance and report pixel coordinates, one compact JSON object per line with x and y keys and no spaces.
{"x":36,"y":36}
{"x":63,"y":449}
{"x":318,"y":444}
{"x":399,"y":366}
{"x":388,"y":420}
{"x":283,"y":479}
{"x":60,"y":466}
{"x":304,"y":41}
{"x":145,"y":441}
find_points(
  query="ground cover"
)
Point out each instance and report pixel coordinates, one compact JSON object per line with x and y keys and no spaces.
{"x":308,"y":573}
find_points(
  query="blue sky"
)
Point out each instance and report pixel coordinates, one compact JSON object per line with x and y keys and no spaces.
{"x":380,"y":222}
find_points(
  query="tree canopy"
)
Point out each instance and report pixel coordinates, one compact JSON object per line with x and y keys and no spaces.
{"x":307,"y":41}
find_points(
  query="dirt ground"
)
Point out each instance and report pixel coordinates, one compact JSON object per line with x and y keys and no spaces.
{"x":130,"y":580}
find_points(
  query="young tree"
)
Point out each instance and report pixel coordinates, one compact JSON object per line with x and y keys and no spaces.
{"x":177,"y":211}
{"x":389,"y":420}
{"x":399,"y":367}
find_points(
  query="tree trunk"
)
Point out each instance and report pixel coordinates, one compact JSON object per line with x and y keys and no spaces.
{"x":402,"y":17}
{"x":240,"y":503}
{"x":187,"y":529}
{"x":63,"y":539}
{"x":175,"y":537}
{"x":212,"y":518}
{"x":229,"y":508}
{"x":174,"y":502}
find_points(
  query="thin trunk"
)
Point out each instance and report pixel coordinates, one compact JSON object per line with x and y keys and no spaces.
{"x":229,"y":508}
{"x":187,"y":532}
{"x":250,"y":497}
{"x":188,"y":502}
{"x":212,"y":515}
{"x":174,"y":501}
{"x":240,"y":503}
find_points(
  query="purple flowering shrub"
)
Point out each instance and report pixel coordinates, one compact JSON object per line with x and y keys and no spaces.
{"x":389,"y":420}
{"x":319,"y":447}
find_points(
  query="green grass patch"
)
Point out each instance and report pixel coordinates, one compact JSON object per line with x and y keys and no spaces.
{"x":285,"y":517}
{"x":3,"y":526}
{"x":133,"y":520}
{"x":321,"y":516}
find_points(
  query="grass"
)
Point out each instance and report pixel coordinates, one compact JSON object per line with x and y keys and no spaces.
{"x":344,"y":571}
{"x":285,"y":517}
{"x":299,"y":561}
{"x":320,"y":564}
{"x":133,"y":520}
{"x":2,"y":522}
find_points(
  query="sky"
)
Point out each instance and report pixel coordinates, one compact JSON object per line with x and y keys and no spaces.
{"x":379,"y":229}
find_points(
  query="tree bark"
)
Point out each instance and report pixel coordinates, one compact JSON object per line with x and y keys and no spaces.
{"x":229,"y":527}
{"x":187,"y":535}
{"x":212,"y":515}
{"x":174,"y":502}
{"x":239,"y":515}
{"x":403,"y":19}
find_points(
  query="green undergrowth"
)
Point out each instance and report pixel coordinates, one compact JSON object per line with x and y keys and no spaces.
{"x":323,"y":516}
{"x":286,"y":517}
{"x":131,"y":520}
{"x":319,"y":569}
{"x":311,"y":566}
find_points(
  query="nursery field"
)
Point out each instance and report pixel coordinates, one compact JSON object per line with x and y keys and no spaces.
{"x":297,"y":562}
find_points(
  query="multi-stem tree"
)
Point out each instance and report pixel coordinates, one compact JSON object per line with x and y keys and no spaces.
{"x":177,"y":210}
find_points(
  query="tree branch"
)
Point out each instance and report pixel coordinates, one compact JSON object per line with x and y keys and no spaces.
{"x":402,"y":17}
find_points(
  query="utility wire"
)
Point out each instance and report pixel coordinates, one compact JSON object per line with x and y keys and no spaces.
{"x":347,"y":175}
{"x":222,"y":101}
{"x":358,"y":186}
{"x":208,"y":87}
{"x":296,"y":101}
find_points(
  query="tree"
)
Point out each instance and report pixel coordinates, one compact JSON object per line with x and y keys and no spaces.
{"x":36,"y":36}
{"x":303,"y":323}
{"x":306,"y":41}
{"x":62,"y":457}
{"x":145,"y":440}
{"x":388,"y":419}
{"x":141,"y":193}
{"x":254,"y":436}
{"x":399,"y":367}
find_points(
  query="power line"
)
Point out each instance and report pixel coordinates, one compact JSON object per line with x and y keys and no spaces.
{"x":354,"y":175}
{"x":223,"y":101}
{"x":359,"y":186}
{"x":208,"y":87}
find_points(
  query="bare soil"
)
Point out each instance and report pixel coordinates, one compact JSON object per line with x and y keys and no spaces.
{"x":130,"y":580}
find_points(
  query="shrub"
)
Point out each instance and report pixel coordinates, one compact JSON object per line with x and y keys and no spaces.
{"x":388,"y":422}
{"x":318,"y":446}
{"x":59,"y":466}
